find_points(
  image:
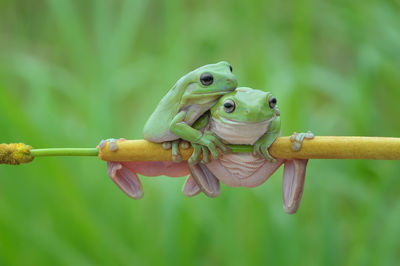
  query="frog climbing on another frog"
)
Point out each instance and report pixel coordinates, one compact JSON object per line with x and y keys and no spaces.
{"x":252,"y":117}
{"x":245,"y":116}
{"x":191,"y":96}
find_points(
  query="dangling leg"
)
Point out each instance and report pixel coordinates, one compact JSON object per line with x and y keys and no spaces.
{"x":294,"y":174}
{"x":125,"y":179}
{"x":190,"y":188}
{"x":205,"y":179}
{"x":124,"y":174}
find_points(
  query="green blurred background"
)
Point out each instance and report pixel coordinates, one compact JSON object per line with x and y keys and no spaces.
{"x":74,"y":72}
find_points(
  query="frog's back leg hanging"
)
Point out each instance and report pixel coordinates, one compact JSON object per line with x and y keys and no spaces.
{"x":190,"y":188}
{"x":125,"y":179}
{"x":293,"y":184}
{"x":205,"y":179}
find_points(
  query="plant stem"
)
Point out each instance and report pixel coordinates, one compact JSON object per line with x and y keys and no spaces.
{"x":65,"y":152}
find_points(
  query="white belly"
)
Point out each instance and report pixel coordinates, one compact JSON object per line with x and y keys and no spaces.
{"x":234,"y":132}
{"x":241,"y":169}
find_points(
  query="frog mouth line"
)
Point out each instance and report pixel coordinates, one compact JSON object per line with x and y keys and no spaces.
{"x":230,"y":121}
{"x":221,"y":92}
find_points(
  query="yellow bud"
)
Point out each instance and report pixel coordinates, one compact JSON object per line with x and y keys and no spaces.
{"x":15,"y":153}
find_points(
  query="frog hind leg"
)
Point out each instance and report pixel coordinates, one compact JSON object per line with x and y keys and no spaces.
{"x":294,"y":173}
{"x":205,"y":179}
{"x":190,"y":188}
{"x":125,"y":179}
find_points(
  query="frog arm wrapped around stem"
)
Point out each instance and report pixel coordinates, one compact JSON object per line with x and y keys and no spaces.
{"x":262,"y":145}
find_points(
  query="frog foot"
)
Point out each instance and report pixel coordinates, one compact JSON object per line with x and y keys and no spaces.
{"x":113,"y":144}
{"x":208,"y":144}
{"x":298,"y":138}
{"x":199,"y":150}
{"x":175,"y":145}
{"x":261,"y":149}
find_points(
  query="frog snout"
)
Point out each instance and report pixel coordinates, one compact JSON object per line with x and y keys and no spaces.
{"x":232,"y":83}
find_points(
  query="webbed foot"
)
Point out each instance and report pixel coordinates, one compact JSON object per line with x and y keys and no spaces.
{"x":208,"y":144}
{"x":175,"y":145}
{"x":113,"y":143}
{"x":298,"y":138}
{"x":261,"y":149}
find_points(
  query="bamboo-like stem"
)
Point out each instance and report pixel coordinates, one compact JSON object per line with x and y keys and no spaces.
{"x":373,"y":148}
{"x":65,"y":152}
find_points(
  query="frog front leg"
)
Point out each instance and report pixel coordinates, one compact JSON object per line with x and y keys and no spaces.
{"x":206,"y":141}
{"x":298,"y":138}
{"x":262,"y":145}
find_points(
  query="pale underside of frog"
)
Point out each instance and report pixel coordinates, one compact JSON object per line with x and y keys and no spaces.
{"x":244,"y":116}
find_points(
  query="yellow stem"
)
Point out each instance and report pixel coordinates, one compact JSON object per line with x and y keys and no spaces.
{"x":375,"y":148}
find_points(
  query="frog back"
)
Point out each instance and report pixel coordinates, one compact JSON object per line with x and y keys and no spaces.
{"x":156,"y":128}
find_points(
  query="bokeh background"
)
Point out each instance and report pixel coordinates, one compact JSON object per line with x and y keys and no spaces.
{"x":73,"y":72}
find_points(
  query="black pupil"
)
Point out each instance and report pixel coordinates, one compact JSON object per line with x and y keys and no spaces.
{"x":206,"y":79}
{"x":273,"y":100}
{"x":230,"y":67}
{"x":228,"y":105}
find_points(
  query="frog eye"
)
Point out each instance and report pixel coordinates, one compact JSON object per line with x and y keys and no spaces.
{"x":229,"y":106}
{"x":230,"y":67}
{"x":272,"y":102}
{"x":206,"y":79}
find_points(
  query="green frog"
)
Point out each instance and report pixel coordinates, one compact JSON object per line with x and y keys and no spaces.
{"x":252,"y":117}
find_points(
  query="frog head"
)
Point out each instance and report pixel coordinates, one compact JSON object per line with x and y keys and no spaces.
{"x":246,"y":105}
{"x":207,"y":83}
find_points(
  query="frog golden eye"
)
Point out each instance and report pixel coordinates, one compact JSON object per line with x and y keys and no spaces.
{"x":206,"y":79}
{"x":229,"y":106}
{"x":230,"y":67}
{"x":272,"y":102}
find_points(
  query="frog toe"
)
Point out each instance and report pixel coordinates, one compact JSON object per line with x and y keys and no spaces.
{"x":206,"y":155}
{"x":267,"y":156}
{"x":166,"y":145}
{"x":176,"y":154}
{"x":113,"y":144}
{"x":183,"y":144}
{"x":102,"y":144}
{"x":195,"y":157}
{"x":298,"y":138}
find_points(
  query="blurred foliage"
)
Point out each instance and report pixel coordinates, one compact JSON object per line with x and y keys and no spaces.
{"x":74,"y":72}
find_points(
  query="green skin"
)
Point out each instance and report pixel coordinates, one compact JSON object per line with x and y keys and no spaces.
{"x":251,"y":106}
{"x":184,"y":104}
